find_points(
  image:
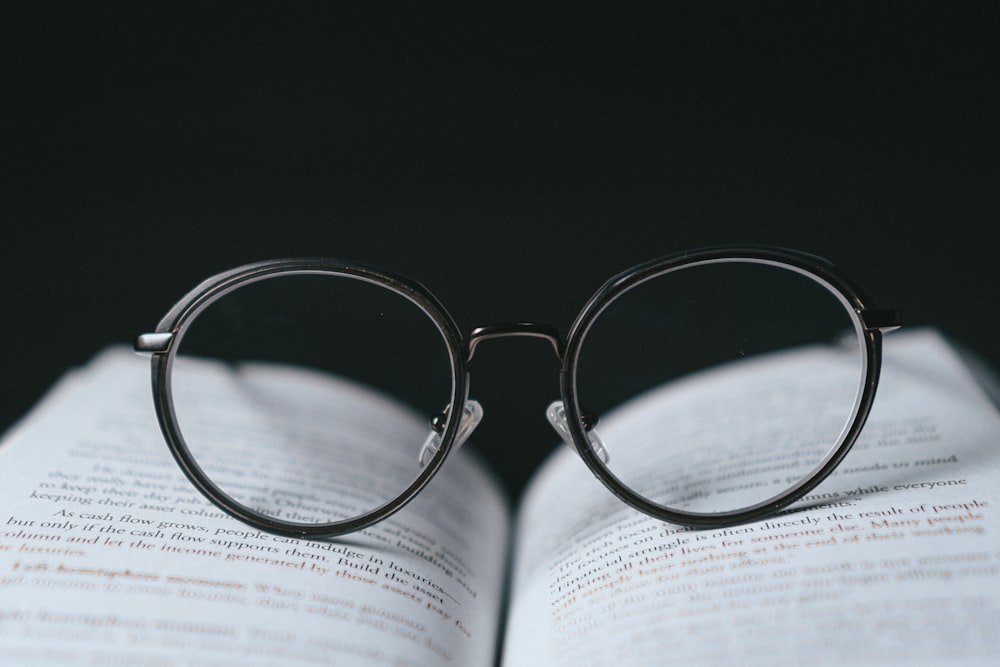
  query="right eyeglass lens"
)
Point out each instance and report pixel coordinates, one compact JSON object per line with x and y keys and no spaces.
{"x":724,"y":384}
{"x":307,"y":398}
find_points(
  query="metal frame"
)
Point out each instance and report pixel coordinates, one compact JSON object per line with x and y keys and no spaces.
{"x":162,"y":344}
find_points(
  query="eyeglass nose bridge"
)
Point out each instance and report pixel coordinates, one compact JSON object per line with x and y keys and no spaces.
{"x":472,"y":412}
{"x":518,"y":330}
{"x":556,"y":412}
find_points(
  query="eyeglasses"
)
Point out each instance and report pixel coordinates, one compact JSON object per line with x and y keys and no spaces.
{"x":316,"y":397}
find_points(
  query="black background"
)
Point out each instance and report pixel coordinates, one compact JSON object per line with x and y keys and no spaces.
{"x":511,"y":157}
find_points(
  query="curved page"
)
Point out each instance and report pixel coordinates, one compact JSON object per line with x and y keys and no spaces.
{"x":108,"y":555}
{"x":895,"y":558}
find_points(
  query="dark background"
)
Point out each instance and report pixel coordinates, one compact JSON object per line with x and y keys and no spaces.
{"x":511,"y":157}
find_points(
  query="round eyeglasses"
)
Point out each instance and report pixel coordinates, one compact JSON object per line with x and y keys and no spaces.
{"x":316,"y":397}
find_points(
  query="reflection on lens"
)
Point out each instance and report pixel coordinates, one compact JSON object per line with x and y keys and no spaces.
{"x":306,"y":398}
{"x":723,"y":384}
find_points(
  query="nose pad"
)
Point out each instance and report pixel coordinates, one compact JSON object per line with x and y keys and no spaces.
{"x":556,"y":414}
{"x":472,"y":414}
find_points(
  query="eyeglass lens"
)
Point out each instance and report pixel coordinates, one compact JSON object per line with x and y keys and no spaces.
{"x":713,"y":363}
{"x":330,"y":380}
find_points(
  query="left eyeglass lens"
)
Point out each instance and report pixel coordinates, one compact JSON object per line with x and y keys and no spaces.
{"x":723,"y":385}
{"x":306,"y":398}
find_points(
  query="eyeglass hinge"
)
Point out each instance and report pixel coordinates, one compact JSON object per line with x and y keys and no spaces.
{"x":884,"y":319}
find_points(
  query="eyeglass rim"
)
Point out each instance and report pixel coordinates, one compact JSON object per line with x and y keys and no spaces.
{"x":186,"y":310}
{"x":813,"y":266}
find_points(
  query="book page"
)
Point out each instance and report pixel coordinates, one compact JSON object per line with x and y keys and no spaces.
{"x":108,"y":555}
{"x":895,"y":557}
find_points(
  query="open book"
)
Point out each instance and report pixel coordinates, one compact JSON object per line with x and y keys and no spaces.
{"x":109,"y":556}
